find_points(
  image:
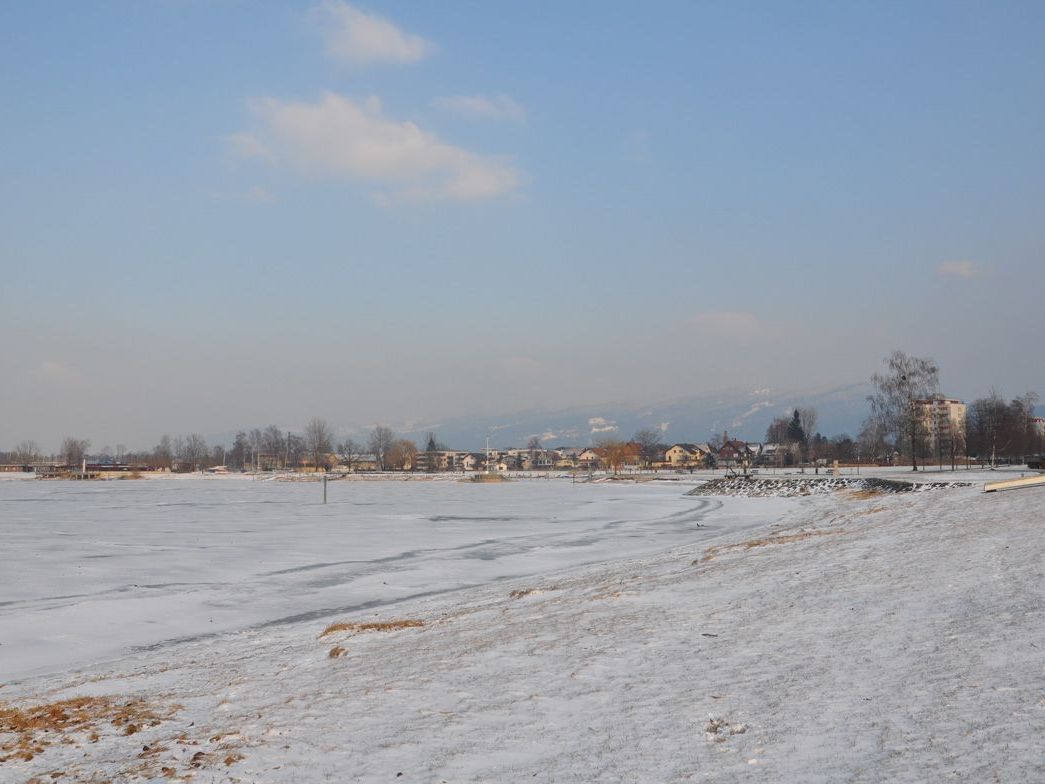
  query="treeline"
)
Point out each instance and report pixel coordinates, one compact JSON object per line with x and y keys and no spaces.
{"x":999,"y":430}
{"x":260,"y":448}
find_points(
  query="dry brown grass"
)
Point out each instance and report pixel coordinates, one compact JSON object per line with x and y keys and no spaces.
{"x":336,"y":652}
{"x":372,"y":626}
{"x":711,"y":552}
{"x":869,"y":511}
{"x":28,"y":731}
{"x":863,"y":494}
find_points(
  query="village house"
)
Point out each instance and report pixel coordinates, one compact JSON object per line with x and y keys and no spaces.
{"x":686,"y":455}
{"x":776,"y":455}
{"x":590,"y":458}
{"x":734,"y":453}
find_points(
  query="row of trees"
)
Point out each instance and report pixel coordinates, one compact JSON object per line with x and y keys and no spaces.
{"x":267,"y":448}
{"x":999,"y":430}
{"x":72,"y":452}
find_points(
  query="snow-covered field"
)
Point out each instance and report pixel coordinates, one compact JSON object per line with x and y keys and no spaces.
{"x":92,"y":569}
{"x":533,"y":631}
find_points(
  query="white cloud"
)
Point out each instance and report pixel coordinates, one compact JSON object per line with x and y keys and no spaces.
{"x":728,"y":322}
{"x":601,"y":425}
{"x":360,"y":38}
{"x":957,"y":269}
{"x":340,"y":137}
{"x":495,"y":107}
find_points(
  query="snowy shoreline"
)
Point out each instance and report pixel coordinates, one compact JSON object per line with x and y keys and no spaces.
{"x":882,"y":638}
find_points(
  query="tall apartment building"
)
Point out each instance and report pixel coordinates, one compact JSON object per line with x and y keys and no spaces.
{"x":944,"y":420}
{"x":1038,"y":423}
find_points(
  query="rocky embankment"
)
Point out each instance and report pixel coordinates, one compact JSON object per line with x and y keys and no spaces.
{"x":788,"y":487}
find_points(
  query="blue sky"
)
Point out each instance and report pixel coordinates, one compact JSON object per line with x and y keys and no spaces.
{"x":220,"y":213}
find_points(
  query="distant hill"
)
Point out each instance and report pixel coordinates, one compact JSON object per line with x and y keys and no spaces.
{"x":745,"y":414}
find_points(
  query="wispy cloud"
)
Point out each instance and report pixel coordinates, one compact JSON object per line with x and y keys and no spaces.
{"x":354,"y":36}
{"x":339,"y":137}
{"x":602,"y":425}
{"x":484,"y":107}
{"x":957,"y":269}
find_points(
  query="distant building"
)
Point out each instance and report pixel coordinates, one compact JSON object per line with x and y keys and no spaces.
{"x":590,"y":458}
{"x":775,"y":455}
{"x":943,"y":419}
{"x":441,"y":460}
{"x":734,"y":453}
{"x":685,"y":455}
{"x":1038,"y":423}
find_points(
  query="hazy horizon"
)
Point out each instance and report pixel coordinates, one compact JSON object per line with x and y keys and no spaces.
{"x":224,"y":215}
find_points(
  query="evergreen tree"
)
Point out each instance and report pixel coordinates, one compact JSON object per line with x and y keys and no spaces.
{"x":795,"y":433}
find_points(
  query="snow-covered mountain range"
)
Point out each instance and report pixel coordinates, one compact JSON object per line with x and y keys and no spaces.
{"x":743,"y":413}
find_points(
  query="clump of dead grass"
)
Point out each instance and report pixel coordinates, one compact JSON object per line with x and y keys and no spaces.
{"x":370,"y":626}
{"x":711,"y":552}
{"x":27,"y":731}
{"x":336,"y":652}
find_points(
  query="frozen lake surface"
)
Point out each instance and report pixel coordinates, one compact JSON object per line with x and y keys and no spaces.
{"x":94,"y":569}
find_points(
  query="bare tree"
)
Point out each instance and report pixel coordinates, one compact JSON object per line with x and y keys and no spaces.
{"x":615,"y":453}
{"x":273,"y":444}
{"x":74,"y":450}
{"x":1023,"y":423}
{"x":894,"y":402}
{"x":26,"y":452}
{"x":238,"y":455}
{"x":318,"y":441}
{"x":871,"y":441}
{"x":402,"y":454}
{"x":193,"y":452}
{"x":256,"y":439}
{"x":163,"y":453}
{"x":649,"y":446}
{"x":295,"y":450}
{"x":776,"y":433}
{"x":379,"y":443}
{"x":348,"y":452}
{"x":808,"y":418}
